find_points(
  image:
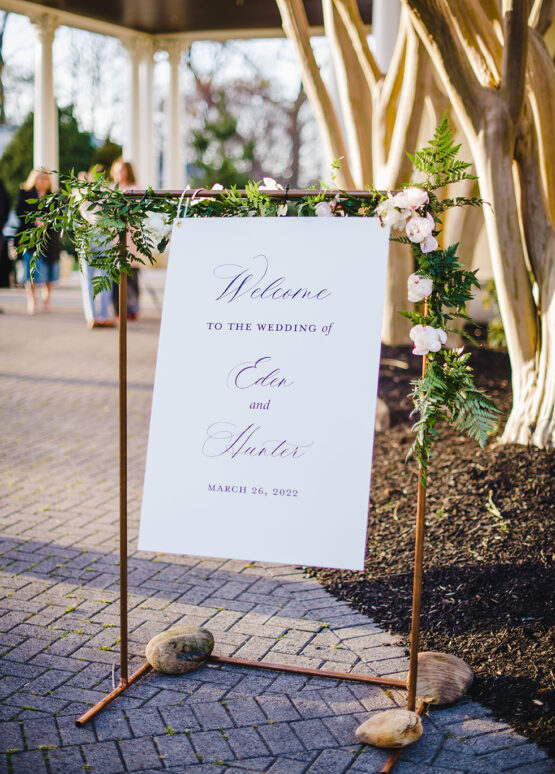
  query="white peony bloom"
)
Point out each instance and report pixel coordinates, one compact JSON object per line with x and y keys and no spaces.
{"x":324,"y":209}
{"x":411,"y":198}
{"x":419,"y":287}
{"x":217,"y":187}
{"x":282,"y":210}
{"x":269,"y":184}
{"x":427,"y":339}
{"x":390,"y":215}
{"x":419,"y":228}
{"x":429,"y":244}
{"x":156,"y":226}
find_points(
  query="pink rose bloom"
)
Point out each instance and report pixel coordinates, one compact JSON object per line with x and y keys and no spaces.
{"x":427,"y":339}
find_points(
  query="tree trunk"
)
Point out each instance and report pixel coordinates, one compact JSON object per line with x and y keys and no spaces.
{"x":395,"y":327}
{"x":295,"y":26}
{"x":533,"y":378}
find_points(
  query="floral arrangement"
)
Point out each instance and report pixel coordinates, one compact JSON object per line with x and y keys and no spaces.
{"x":132,"y":228}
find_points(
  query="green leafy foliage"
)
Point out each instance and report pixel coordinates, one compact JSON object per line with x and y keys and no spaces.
{"x":438,"y":160}
{"x":108,"y":227}
{"x":447,"y":392}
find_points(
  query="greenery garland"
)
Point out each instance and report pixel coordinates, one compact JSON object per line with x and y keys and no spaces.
{"x":112,"y":229}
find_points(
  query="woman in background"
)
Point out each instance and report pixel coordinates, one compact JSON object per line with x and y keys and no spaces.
{"x":123,"y":175}
{"x":38,"y":185}
{"x":96,"y":309}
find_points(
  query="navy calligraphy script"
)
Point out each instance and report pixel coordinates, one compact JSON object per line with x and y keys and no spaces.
{"x":226,"y":438}
{"x":255,"y":282}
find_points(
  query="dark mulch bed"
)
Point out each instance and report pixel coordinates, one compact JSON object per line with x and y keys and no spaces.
{"x":488,"y":580}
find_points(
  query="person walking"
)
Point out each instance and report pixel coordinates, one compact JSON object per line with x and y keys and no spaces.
{"x":5,"y":262}
{"x":123,"y":175}
{"x":96,"y":309}
{"x":38,"y":185}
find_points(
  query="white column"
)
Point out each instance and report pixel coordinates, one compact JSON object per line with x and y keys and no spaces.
{"x":45,"y":151}
{"x":131,"y":142}
{"x":147,"y":174}
{"x":385,"y":25}
{"x":173,"y":153}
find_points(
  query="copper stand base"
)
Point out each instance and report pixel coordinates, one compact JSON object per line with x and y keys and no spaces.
{"x":123,"y":683}
{"x":243,"y":663}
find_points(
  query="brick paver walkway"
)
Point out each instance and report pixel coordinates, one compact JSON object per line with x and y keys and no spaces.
{"x":59,"y":592}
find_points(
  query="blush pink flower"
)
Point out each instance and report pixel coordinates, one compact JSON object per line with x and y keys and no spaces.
{"x":324,"y":209}
{"x":429,"y":244}
{"x":427,"y":339}
{"x":419,"y":228}
{"x":411,"y":198}
{"x":390,"y":215}
{"x":419,"y":287}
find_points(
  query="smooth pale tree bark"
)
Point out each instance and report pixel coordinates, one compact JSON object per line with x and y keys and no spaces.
{"x":295,"y":25}
{"x":381,"y":114}
{"x":503,"y":99}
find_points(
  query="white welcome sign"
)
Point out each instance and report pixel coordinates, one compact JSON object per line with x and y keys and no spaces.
{"x":262,"y":423}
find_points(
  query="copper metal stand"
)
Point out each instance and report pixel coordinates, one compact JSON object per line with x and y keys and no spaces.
{"x":418,"y":571}
{"x":125,"y":680}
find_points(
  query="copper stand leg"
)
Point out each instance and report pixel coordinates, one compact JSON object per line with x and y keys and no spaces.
{"x":417,"y":589}
{"x":418,"y":569}
{"x":123,"y":476}
{"x":416,"y":595}
{"x":123,"y":684}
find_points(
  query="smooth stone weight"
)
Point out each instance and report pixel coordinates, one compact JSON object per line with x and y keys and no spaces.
{"x":392,"y":728}
{"x":442,"y":678}
{"x":179,"y":650}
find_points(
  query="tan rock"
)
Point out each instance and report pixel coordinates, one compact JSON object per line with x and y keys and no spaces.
{"x":179,"y":650}
{"x":442,"y":678}
{"x":392,"y":728}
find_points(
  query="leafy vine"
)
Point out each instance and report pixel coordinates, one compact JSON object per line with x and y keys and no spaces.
{"x":112,"y":229}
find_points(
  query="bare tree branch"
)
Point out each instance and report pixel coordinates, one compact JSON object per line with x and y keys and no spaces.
{"x":513,"y":70}
{"x":350,"y":16}
{"x":432,"y":21}
{"x":410,"y":108}
{"x":541,"y":15}
{"x":354,"y":95}
{"x":295,"y":25}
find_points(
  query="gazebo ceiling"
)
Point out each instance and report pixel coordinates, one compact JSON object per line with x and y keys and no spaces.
{"x":169,"y":17}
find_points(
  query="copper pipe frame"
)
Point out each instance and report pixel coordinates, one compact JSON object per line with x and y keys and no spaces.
{"x":241,"y":662}
{"x":294,"y":193}
{"x":309,"y":672}
{"x":123,"y":470}
{"x":116,"y":692}
{"x":394,"y":757}
{"x":125,"y":680}
{"x":418,"y":570}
